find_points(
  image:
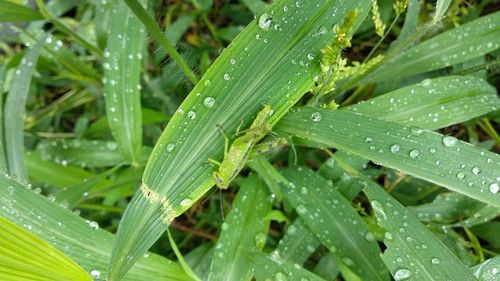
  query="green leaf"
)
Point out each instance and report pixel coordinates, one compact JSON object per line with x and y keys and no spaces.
{"x":14,"y":111}
{"x":434,"y":103}
{"x":24,"y":254}
{"x":443,"y":160}
{"x":268,"y":268}
{"x":298,"y":243}
{"x":334,"y":222}
{"x":244,"y":229}
{"x":12,"y":12}
{"x":122,"y":70}
{"x":413,"y":252}
{"x":441,"y":8}
{"x":255,"y":69}
{"x":85,"y":153}
{"x":446,"y":208}
{"x":473,"y":39}
{"x":487,"y":270}
{"x":3,"y":156}
{"x":81,"y":240}
{"x":255,"y":6}
{"x":48,"y":172}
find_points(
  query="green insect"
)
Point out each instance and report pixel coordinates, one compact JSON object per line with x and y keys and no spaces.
{"x":237,"y":155}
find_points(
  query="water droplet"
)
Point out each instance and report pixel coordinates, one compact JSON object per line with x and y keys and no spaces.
{"x":414,"y":153}
{"x":476,"y":170}
{"x":432,"y":150}
{"x":170,"y":147}
{"x":206,"y":83}
{"x":227,"y":77}
{"x":369,"y":140}
{"x":95,"y":274}
{"x":185,"y":202}
{"x":316,"y":116}
{"x":449,"y":141}
{"x":260,"y":240}
{"x":369,"y":236}
{"x":265,"y":21}
{"x":232,"y":61}
{"x":146,"y":255}
{"x":402,"y":274}
{"x":209,"y":102}
{"x":435,"y":261}
{"x":191,"y":115}
{"x":494,"y":188}
{"x":388,"y":236}
{"x":426,"y":82}
{"x":111,"y":145}
{"x":93,"y":224}
{"x":224,"y":226}
{"x":310,"y":56}
{"x":280,"y":276}
{"x":301,"y":209}
{"x":460,"y":175}
{"x":395,"y":148}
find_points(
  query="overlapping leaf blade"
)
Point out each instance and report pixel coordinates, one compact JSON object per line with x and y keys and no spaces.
{"x":297,"y":244}
{"x":24,"y":254}
{"x":244,"y":229}
{"x":334,"y":222}
{"x":12,"y":12}
{"x":443,"y":160}
{"x":434,"y":103}
{"x":122,"y":69}
{"x":14,"y":111}
{"x":79,"y":239}
{"x":413,"y":252}
{"x":256,"y":69}
{"x":460,"y":44}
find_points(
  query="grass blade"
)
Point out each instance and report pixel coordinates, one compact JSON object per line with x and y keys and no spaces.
{"x":440,"y":159}
{"x":177,"y":170}
{"x":157,"y":34}
{"x":266,"y":267}
{"x":298,"y":243}
{"x":14,"y":111}
{"x":24,"y":254}
{"x":340,"y":228}
{"x":12,"y":12}
{"x":441,"y":8}
{"x":460,"y":44}
{"x":412,"y":250}
{"x":122,"y":70}
{"x":487,"y":270}
{"x":81,"y":240}
{"x":3,"y":156}
{"x":434,"y":103}
{"x":244,"y":229}
{"x":86,"y":153}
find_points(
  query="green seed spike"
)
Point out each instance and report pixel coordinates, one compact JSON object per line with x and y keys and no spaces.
{"x":400,"y":6}
{"x":377,"y":20}
{"x":332,"y":62}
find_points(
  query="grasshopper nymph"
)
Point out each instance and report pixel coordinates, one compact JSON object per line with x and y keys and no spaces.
{"x":237,"y":155}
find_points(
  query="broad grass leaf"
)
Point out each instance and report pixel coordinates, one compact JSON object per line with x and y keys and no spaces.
{"x":262,"y":65}
{"x":245,"y":228}
{"x":122,"y":74}
{"x":335,"y":223}
{"x":443,"y":160}
{"x":81,"y":240}
{"x":413,"y":252}
{"x":24,"y":254}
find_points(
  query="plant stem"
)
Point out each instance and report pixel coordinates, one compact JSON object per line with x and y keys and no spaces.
{"x":157,"y":34}
{"x":381,"y":39}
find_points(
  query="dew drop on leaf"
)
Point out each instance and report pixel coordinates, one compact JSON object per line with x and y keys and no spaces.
{"x":449,"y":141}
{"x":494,"y":188}
{"x":402,"y":274}
{"x":185,"y":201}
{"x":414,"y":153}
{"x":209,"y":102}
{"x":191,"y":115}
{"x":395,"y":148}
{"x":476,"y":170}
{"x":265,"y":21}
{"x":170,"y":147}
{"x":316,"y":116}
